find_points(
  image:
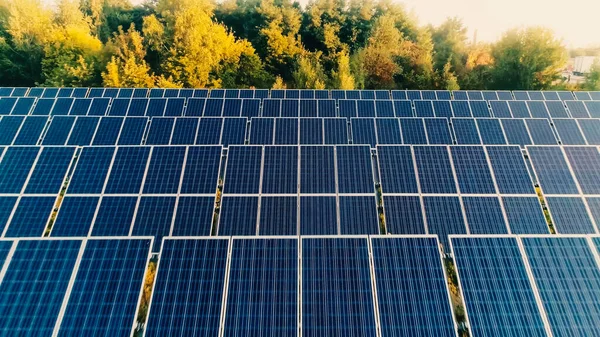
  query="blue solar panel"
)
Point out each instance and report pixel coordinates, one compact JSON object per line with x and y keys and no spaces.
{"x":91,"y":170}
{"x":201,"y":170}
{"x":384,"y":108}
{"x":110,"y":92}
{"x":461,"y":109}
{"x":59,"y":130}
{"x":504,"y":95}
{"x":591,"y":130}
{"x":479,"y":109}
{"x":353,"y":94}
{"x":184,"y":131}
{"x":592,"y":107}
{"x":308,"y":108}
{"x":538,"y":110}
{"x":128,"y":170}
{"x":280,"y":170}
{"x":36,"y":92}
{"x":565,"y":95}
{"x":474,"y":95}
{"x":330,"y":287}
{"x":347,"y":108}
{"x":518,"y":109}
{"x":484,"y":215}
{"x":388,"y":131}
{"x":83,"y":131}
{"x":290,"y":108}
{"x":514,"y":311}
{"x":114,"y":217}
{"x":292,"y":93}
{"x":195,"y":107}
{"x":160,"y":131}
{"x":232,"y":93}
{"x":403,"y":109}
{"x":132,"y":131}
{"x":336,"y":131}
{"x":363,"y":131}
{"x":108,"y":131}
{"x":250,"y":108}
{"x":568,"y":132}
{"x":318,"y":215}
{"x":424,"y":108}
{"x":317,"y":169}
{"x":354,"y":167}
{"x":489,"y":95}
{"x":15,"y":166}
{"x":550,"y":95}
{"x":125,"y":92}
{"x":194,"y":216}
{"x":234,"y":131}
{"x":261,"y":131}
{"x":251,"y":278}
{"x":594,"y":207}
{"x":120,"y":106}
{"x":595,"y":95}
{"x":521,"y":95}
{"x":242,"y":175}
{"x":444,"y":217}
{"x":75,"y":217}
{"x":209,"y":131}
{"x":524,"y":215}
{"x":62,"y":106}
{"x":153,"y":218}
{"x":541,"y":132}
{"x":465,"y":131}
{"x":501,"y":109}
{"x":308,"y":94}
{"x":95,"y":92}
{"x":516,"y":132}
{"x":413,"y":94}
{"x":577,"y":109}
{"x":286,"y":131}
{"x":510,"y":170}
{"x":403,"y":215}
{"x":188,"y":292}
{"x":157,"y":92}
{"x":437,"y":131}
{"x":322,"y":94}
{"x":557,"y":109}
{"x":30,"y":217}
{"x":433,"y":167}
{"x":5,"y":247}
{"x":80,"y":107}
{"x":238,"y":216}
{"x":311,"y":131}
{"x":396,"y":169}
{"x":164,"y":170}
{"x":6,"y":105}
{"x":156,"y":107}
{"x":31,"y":130}
{"x":9,"y":126}
{"x":411,"y":293}
{"x":50,"y":170}
{"x":278,"y":216}
{"x":6,"y":207}
{"x":99,"y":107}
{"x":552,"y":170}
{"x":585,"y":162}
{"x":582,"y":95}
{"x":570,"y":216}
{"x":413,"y":131}
{"x":174,"y":107}
{"x":443,"y":95}
{"x":326,"y":108}
{"x":34,"y":286}
{"x":472,"y":171}
{"x":569,"y":288}
{"x":367,"y":94}
{"x":365,"y":108}
{"x":271,"y":108}
{"x":358,"y":215}
{"x":23,"y":106}
{"x":398,"y":94}
{"x":442,"y":109}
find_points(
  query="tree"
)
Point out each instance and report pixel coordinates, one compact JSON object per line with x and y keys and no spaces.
{"x":449,"y":45}
{"x":309,"y":73}
{"x":342,"y":77}
{"x":527,"y":59}
{"x":592,"y":80}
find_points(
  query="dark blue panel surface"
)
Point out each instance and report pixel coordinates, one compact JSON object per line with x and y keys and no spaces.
{"x":91,"y":170}
{"x":156,"y":107}
{"x":15,"y":166}
{"x":137,"y":108}
{"x":568,"y":132}
{"x":552,"y":170}
{"x":557,"y":109}
{"x":59,"y":130}
{"x":472,"y":170}
{"x":6,"y":207}
{"x":127,"y":171}
{"x":413,"y":131}
{"x":308,"y":108}
{"x":201,"y":170}
{"x":133,"y":131}
{"x":403,"y":215}
{"x":591,"y":130}
{"x":317,"y":169}
{"x":516,"y":132}
{"x":347,"y":108}
{"x":326,"y":108}
{"x":484,"y":215}
{"x":62,"y":106}
{"x":437,"y":131}
{"x":160,"y":131}
{"x":318,"y":215}
{"x":50,"y":170}
{"x":423,"y":108}
{"x":465,"y":131}
{"x":242,"y":175}
{"x":358,"y":215}
{"x":108,"y":131}
{"x":384,"y":108}
{"x":154,"y":218}
{"x":403,"y":109}
{"x":585,"y":162}
{"x":290,"y":108}
{"x":194,"y":216}
{"x":9,"y":126}
{"x":388,"y":131}
{"x":209,"y":131}
{"x":195,"y":107}
{"x":365,"y":108}
{"x":490,"y":131}
{"x":250,"y":108}
{"x":541,"y":132}
{"x":234,"y":131}
{"x":577,"y":109}
{"x":278,"y":216}
{"x":355,"y":170}
{"x":262,"y":131}
{"x":510,"y":170}
{"x":75,"y":217}
{"x":433,"y":167}
{"x":271,"y":108}
{"x":99,"y":107}
{"x":570,"y":216}
{"x":83,"y":131}
{"x":501,"y":109}
{"x":442,"y":109}
{"x":444,"y":217}
{"x":31,"y":130}
{"x":238,"y":216}
{"x":30,"y":217}
{"x":286,"y":131}
{"x":311,"y":131}
{"x":538,"y":109}
{"x":120,"y":106}
{"x":164,"y":170}
{"x":397,"y":172}
{"x":336,"y":131}
{"x":184,"y":131}
{"x":115,"y":215}
{"x":363,"y":131}
{"x":23,"y":106}
{"x":280,"y":170}
{"x":479,"y":109}
{"x":461,"y":109}
{"x":174,"y":107}
{"x":43,"y":107}
{"x":524,"y":215}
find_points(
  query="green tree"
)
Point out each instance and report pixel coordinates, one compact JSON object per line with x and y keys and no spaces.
{"x":592,"y":80}
{"x":449,"y":45}
{"x":309,"y":73}
{"x":341,"y":78}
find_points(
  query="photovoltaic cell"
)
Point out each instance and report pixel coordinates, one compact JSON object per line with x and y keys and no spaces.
{"x":363,"y":131}
{"x":434,"y":170}
{"x":592,"y":107}
{"x":31,"y":130}
{"x":577,"y":109}
{"x":23,"y":106}
{"x":280,"y":170}
{"x":108,"y":131}
{"x":538,"y":109}
{"x":384,"y":108}
{"x":479,"y":109}
{"x":541,"y":132}
{"x":365,"y":108}
{"x":209,"y":131}
{"x":250,"y":108}
{"x":261,"y":131}
{"x":127,"y":171}
{"x":30,"y":217}
{"x":188,"y":291}
{"x":317,"y":169}
{"x":524,"y":215}
{"x":184,"y":131}
{"x":569,"y":215}
{"x":396,"y":169}
{"x":591,"y":130}
{"x":347,"y":108}
{"x":6,"y":207}
{"x":278,"y":215}
{"x":318,"y":215}
{"x":15,"y":166}
{"x":50,"y":170}
{"x":238,"y":216}
{"x":195,"y":107}
{"x":388,"y":131}
{"x":444,"y":217}
{"x":514,"y":311}
{"x":413,"y":131}
{"x":501,"y":109}
{"x":584,"y":162}
{"x":83,"y":131}
{"x":403,"y":215}
{"x":557,"y":109}
{"x":234,"y":131}
{"x":290,"y":108}
{"x":484,"y":215}
{"x":472,"y":170}
{"x":311,"y":131}
{"x":160,"y":131}
{"x":568,"y":132}
{"x":156,"y":107}
{"x":519,"y":109}
{"x":286,"y":131}
{"x":465,"y":131}
{"x":411,"y":292}
{"x":271,"y":108}
{"x":120,"y":107}
{"x":510,"y":170}
{"x":403,"y":109}
{"x":99,"y":107}
{"x":59,"y":130}
{"x":552,"y":170}
{"x":194,"y":216}
{"x":115,"y":215}
{"x":164,"y":170}
{"x":308,"y":108}
{"x":437,"y":131}
{"x":91,"y":170}
{"x":336,"y":131}
{"x":442,"y":109}
{"x":461,"y":109}
{"x":201,"y":170}
{"x":516,"y":132}
{"x":75,"y":217}
{"x":132,"y":131}
{"x":153,"y":218}
{"x":355,"y":170}
{"x":358,"y":215}
{"x":242,"y":175}
{"x":424,"y":108}
{"x":9,"y":126}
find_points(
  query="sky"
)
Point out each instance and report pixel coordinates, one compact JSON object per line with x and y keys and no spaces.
{"x":577,"y":22}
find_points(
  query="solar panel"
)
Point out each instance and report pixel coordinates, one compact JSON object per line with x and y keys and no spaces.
{"x":271,"y":108}
{"x":280,"y":170}
{"x":557,"y":109}
{"x":413,"y":131}
{"x":484,"y":215}
{"x":125,"y":92}
{"x":242,"y":175}
{"x":442,"y":109}
{"x":250,"y":108}
{"x":95,"y":92}
{"x":133,"y":130}
{"x":22,"y":91}
{"x":322,"y":94}
{"x":184,"y":131}
{"x":521,"y":95}
{"x":189,"y":286}
{"x":353,"y":94}
{"x":412,"y":296}
{"x":238,"y":216}
{"x":91,"y":170}
{"x":108,"y":131}
{"x":311,"y":131}
{"x":329,"y":286}
{"x":424,"y":108}
{"x":384,"y":108}
{"x":474,"y":95}
{"x":461,"y":109}
{"x":382,"y":94}
{"x":567,"y":290}
{"x":592,"y":107}
{"x":6,"y":207}
{"x":490,"y":131}
{"x":80,"y":107}
{"x":535,"y":95}
{"x":111,"y":92}
{"x":515,"y":311}
{"x":317,"y":169}
{"x":489,"y":95}
{"x":174,"y":107}
{"x":594,"y":208}
{"x":591,"y":130}
{"x":290,"y":108}
{"x":30,"y":217}
{"x":552,"y":170}
{"x":164,"y":170}
{"x":479,"y":109}
{"x":232,"y":93}
{"x":584,"y":162}
{"x":434,"y":170}
{"x":541,"y":131}
{"x":291,"y":93}
{"x":595,"y":95}
{"x":516,"y":132}
{"x":326,"y":108}
{"x":396,"y":169}
{"x":363,"y":131}
{"x":318,"y":215}
{"x":403,"y":109}
{"x":39,"y":296}
{"x":403,"y":215}
{"x":160,"y":131}
{"x":209,"y":131}
{"x":472,"y":171}
{"x":128,"y":169}
{"x":504,"y":95}
{"x":62,"y":106}
{"x":354,"y":168}
{"x":399,"y":94}
{"x":75,"y":216}
{"x":465,"y":131}
{"x":336,"y":131}
{"x":347,"y":108}
{"x":234,"y":131}
{"x":154,"y":217}
{"x":262,"y":131}
{"x":577,"y":109}
{"x":6,"y":105}
{"x":358,"y":215}
{"x":286,"y":131}
{"x":36,"y":92}
{"x":309,"y":94}
{"x":50,"y":170}
{"x":195,"y":107}
{"x":5,"y":247}
{"x":308,"y":108}
{"x":59,"y":130}
{"x":437,"y":131}
{"x":156,"y":107}
{"x":194,"y":216}
{"x":9,"y":126}
{"x":114,"y":216}
{"x":509,"y":170}
{"x":365,"y":108}
{"x":519,"y":109}
{"x":122,"y":107}
{"x":388,"y":131}
{"x":15,"y":166}
{"x":444,"y":217}
{"x":538,"y":110}
{"x":83,"y":131}
{"x":570,"y":216}
{"x":99,"y":107}
{"x":428,"y":94}
{"x":278,"y":215}
{"x":31,"y":130}
{"x":582,"y":95}
{"x":524,"y":215}
{"x":568,"y":131}
{"x":6,"y":91}
{"x":501,"y":109}
{"x":23,"y":106}
{"x":462,"y":95}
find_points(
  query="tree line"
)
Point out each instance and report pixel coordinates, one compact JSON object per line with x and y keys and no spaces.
{"x":346,"y":44}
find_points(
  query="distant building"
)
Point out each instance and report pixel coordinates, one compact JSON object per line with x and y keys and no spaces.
{"x":583,"y":64}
